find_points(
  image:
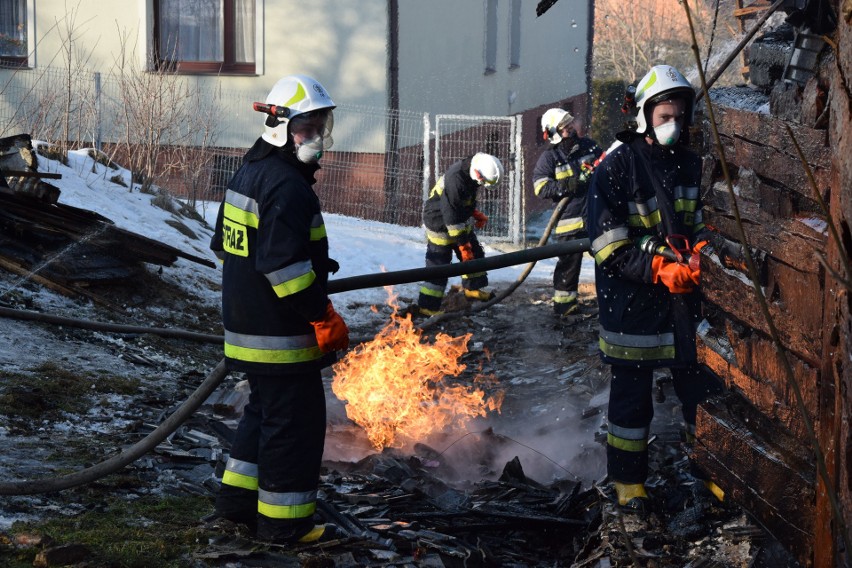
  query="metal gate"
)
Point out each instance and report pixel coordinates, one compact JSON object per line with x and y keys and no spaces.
{"x":460,"y":136}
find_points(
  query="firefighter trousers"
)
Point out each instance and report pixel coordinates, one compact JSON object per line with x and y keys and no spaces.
{"x":631,"y":410}
{"x":272,"y":474}
{"x":432,"y":291}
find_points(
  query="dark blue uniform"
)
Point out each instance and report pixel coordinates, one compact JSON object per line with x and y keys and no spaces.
{"x":643,"y":325}
{"x":271,"y":237}
{"x":447,"y":217}
{"x":559,"y":173}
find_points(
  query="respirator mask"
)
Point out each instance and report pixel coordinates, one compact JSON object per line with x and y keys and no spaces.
{"x":315,"y":130}
{"x":667,"y":134}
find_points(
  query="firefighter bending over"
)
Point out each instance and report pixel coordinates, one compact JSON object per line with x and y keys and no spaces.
{"x":564,"y":170}
{"x":644,"y":195}
{"x":450,"y":215}
{"x":280,"y":326}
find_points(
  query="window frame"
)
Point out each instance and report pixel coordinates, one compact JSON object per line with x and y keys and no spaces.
{"x":228,"y":66}
{"x":490,"y":38}
{"x":515,"y":34}
{"x":11,"y":61}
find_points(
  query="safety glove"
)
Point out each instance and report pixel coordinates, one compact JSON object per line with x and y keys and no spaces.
{"x":332,"y":333}
{"x":466,"y":252}
{"x":568,"y":187}
{"x":480,"y":219}
{"x":333,"y":266}
{"x":678,"y":278}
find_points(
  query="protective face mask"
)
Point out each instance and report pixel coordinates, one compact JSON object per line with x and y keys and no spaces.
{"x":310,"y":150}
{"x":668,"y":133}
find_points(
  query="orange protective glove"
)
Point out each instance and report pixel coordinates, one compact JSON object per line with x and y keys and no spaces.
{"x":480,"y":219}
{"x":678,"y":278}
{"x":331,"y":330}
{"x":466,"y":252}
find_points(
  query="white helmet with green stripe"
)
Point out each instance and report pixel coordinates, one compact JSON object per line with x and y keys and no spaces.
{"x":662,"y":82}
{"x":291,"y":96}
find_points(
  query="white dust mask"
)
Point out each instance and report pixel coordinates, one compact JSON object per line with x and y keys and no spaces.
{"x":667,"y":134}
{"x":310,"y":150}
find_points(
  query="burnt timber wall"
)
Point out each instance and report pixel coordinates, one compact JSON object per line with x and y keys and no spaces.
{"x":753,"y":440}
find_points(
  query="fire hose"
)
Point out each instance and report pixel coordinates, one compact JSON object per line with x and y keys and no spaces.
{"x":218,"y":374}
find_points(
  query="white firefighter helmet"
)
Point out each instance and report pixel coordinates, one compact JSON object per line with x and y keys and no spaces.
{"x":291,"y":96}
{"x":661,"y":83}
{"x":552,"y":122}
{"x":486,"y":169}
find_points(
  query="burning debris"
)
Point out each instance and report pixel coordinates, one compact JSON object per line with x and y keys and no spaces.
{"x":399,"y":387}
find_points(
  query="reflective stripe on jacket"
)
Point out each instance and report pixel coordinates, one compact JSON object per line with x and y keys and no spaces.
{"x":555,"y":166}
{"x":641,"y":322}
{"x":448,"y":209}
{"x":271,"y":234}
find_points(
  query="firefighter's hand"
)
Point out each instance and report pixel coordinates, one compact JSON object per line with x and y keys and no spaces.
{"x":466,"y":252}
{"x":333,"y":266}
{"x":480,"y":219}
{"x":568,"y":187}
{"x":331,"y":330}
{"x":678,"y":278}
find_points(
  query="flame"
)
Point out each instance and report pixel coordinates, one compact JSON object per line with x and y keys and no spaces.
{"x":395,"y":386}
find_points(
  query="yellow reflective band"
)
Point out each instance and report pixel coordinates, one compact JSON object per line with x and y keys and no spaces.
{"x":286,"y":511}
{"x":607,"y":251}
{"x":241,"y":216}
{"x":431,"y":292}
{"x":295,"y":285}
{"x":318,"y":233}
{"x":472,"y":275}
{"x":234,"y":238}
{"x":685,"y":205}
{"x":645,"y":221}
{"x":626,"y":445}
{"x":642,"y":88}
{"x":567,"y":227}
{"x":251,"y":355}
{"x":298,"y":96}
{"x":539,"y":184}
{"x":636,"y":353}
{"x":443,"y":241}
{"x":239,"y":480}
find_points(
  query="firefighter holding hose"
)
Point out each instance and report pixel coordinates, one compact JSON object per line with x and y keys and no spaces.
{"x":450,"y":216}
{"x":644,"y":200}
{"x":564,"y":171}
{"x":280,"y":326}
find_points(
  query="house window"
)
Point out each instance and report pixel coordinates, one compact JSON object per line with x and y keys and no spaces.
{"x":205,"y":36}
{"x":13,"y":33}
{"x":490,"y":36}
{"x":515,"y":35}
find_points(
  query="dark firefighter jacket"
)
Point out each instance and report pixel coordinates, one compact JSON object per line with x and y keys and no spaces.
{"x":447,"y":212}
{"x":271,"y":236}
{"x":559,"y":172}
{"x":643,"y":323}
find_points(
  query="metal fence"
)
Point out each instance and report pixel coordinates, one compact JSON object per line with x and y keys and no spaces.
{"x":381,"y":166}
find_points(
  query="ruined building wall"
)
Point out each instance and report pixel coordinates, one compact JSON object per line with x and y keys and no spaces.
{"x":755,"y":440}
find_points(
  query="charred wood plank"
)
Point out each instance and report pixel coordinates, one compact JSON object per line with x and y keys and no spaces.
{"x":794,"y":300}
{"x":760,"y":141}
{"x":761,"y":467}
{"x":750,"y":365}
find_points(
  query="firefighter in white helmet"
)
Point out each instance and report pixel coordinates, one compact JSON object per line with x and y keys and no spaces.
{"x":450,"y":215}
{"x":647,"y":230}
{"x":562,"y":171}
{"x":280,"y":326}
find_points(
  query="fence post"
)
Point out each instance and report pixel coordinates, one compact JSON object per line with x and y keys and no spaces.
{"x":98,"y":111}
{"x":518,"y":217}
{"x":427,"y":169}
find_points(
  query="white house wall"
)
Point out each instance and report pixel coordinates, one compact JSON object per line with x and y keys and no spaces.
{"x":442,"y":56}
{"x":340,"y":42}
